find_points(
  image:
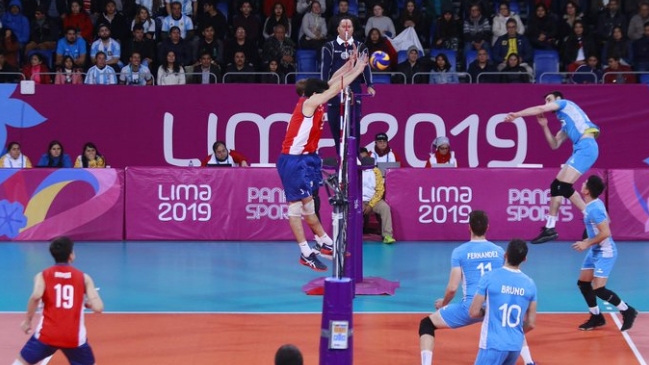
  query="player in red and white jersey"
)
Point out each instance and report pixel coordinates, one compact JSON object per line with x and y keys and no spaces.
{"x":299,"y":164}
{"x":65,"y":292}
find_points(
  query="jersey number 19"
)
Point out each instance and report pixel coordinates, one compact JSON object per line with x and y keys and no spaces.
{"x":64,"y":296}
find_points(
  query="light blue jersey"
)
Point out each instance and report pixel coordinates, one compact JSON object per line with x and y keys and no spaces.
{"x":574,"y":121}
{"x":508,"y":296}
{"x":600,"y":258}
{"x":476,"y":258}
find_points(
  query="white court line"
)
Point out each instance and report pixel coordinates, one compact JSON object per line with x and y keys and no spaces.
{"x":629,"y":341}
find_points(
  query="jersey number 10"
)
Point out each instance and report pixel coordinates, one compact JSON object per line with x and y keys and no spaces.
{"x":511,"y":315}
{"x":64,"y":296}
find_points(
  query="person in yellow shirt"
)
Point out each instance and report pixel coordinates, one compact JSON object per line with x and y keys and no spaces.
{"x":14,"y":157}
{"x":90,"y":158}
{"x":373,"y":192}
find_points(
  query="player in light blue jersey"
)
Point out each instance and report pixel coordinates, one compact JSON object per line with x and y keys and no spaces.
{"x":510,"y":310}
{"x":599,"y":260}
{"x":469,"y":262}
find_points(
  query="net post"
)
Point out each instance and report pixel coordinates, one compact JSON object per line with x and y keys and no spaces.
{"x":354,"y":265}
{"x":336,"y":336}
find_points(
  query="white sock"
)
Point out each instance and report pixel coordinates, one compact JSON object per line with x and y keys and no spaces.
{"x":622,"y":306}
{"x":526,"y":355}
{"x":17,"y":362}
{"x":594,"y":310}
{"x":305,"y":249}
{"x":325,"y":239}
{"x":551,"y":221}
{"x":426,"y":357}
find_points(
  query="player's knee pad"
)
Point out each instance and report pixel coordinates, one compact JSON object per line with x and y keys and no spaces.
{"x":308,"y":208}
{"x":426,"y":327}
{"x":295,"y":209}
{"x":604,"y":294}
{"x":559,"y":188}
{"x":584,"y":286}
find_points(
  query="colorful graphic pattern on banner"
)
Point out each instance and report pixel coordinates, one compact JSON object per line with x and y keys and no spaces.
{"x":40,"y":204}
{"x":628,"y":204}
{"x":165,"y":126}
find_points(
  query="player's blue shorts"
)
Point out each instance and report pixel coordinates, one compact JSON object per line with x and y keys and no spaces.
{"x":34,"y":351}
{"x":584,"y":155}
{"x":456,"y":315}
{"x":495,"y":357}
{"x":603,"y":266}
{"x":300,"y":174}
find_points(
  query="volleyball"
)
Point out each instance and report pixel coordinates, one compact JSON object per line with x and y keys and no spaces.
{"x":380,"y":61}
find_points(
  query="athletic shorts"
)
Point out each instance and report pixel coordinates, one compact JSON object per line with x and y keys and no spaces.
{"x":602,"y":266}
{"x":300,"y":174}
{"x":584,"y":155}
{"x":456,"y":315}
{"x":495,"y":357}
{"x":34,"y":351}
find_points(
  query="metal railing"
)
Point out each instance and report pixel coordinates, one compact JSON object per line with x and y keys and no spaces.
{"x":254,"y":74}
{"x":391,"y":75}
{"x":639,"y":80}
{"x":297,"y":75}
{"x":188,"y":76}
{"x":502,"y":74}
{"x":17,"y":74}
{"x":463,"y":77}
{"x":567,"y":77}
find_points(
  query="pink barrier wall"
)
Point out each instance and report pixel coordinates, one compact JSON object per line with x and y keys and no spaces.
{"x":628,"y":204}
{"x":164,"y":126}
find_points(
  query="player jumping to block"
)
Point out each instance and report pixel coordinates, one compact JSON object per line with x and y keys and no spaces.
{"x":575,"y":125}
{"x":299,"y":165}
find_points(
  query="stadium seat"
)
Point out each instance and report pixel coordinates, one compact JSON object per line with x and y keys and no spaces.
{"x":402,"y":56}
{"x":48,"y":54}
{"x":222,"y":7}
{"x":381,"y":78}
{"x":644,"y":78}
{"x":546,"y":61}
{"x":306,"y":60}
{"x":353,"y":7}
{"x":450,"y":54}
{"x":470,"y":56}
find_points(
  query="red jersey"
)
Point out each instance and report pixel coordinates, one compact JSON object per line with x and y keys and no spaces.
{"x":62,"y":323}
{"x":303,"y":133}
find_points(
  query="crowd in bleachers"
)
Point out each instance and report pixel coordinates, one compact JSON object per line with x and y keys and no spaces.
{"x":167,"y":42}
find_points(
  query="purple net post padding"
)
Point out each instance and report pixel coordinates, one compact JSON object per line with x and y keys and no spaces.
{"x":336,"y":338}
{"x":354,"y":265}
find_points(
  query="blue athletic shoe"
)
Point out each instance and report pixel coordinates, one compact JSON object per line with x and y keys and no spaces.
{"x":312,"y":262}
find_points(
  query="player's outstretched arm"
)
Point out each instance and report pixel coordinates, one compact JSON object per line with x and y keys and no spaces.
{"x":530,"y":317}
{"x":476,"y":309}
{"x":535,"y":110}
{"x":338,"y":83}
{"x":32,"y":303}
{"x":93,"y":300}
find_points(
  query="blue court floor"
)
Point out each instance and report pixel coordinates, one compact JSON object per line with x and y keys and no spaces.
{"x":262,"y":277}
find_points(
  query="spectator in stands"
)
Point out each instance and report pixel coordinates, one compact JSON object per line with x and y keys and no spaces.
{"x":543,"y":29}
{"x":240,"y":66}
{"x":376,"y":41}
{"x":280,"y":47}
{"x":54,"y":9}
{"x":447,"y":32}
{"x":277,"y":17}
{"x":274,"y":74}
{"x":170,"y":71}
{"x":14,"y":157}
{"x":8,"y":73}
{"x":213,"y":17}
{"x":382,"y":151}
{"x":188,"y":8}
{"x":343,"y":12}
{"x":37,"y":70}
{"x":481,"y":65}
{"x":412,"y":65}
{"x":79,"y":20}
{"x":115,"y":21}
{"x":288,"y":5}
{"x":109,"y":46}
{"x":9,"y":43}
{"x":176,"y":19}
{"x":381,"y":22}
{"x":641,"y":51}
{"x":143,"y":18}
{"x":100,"y":73}
{"x":43,"y":34}
{"x":313,"y":31}
{"x":514,"y":72}
{"x":571,"y":14}
{"x":576,"y":47}
{"x":612,"y":73}
{"x":610,"y":19}
{"x":412,"y":17}
{"x":288,"y":355}
{"x":240,"y":43}
{"x":442,"y":72}
{"x":207,"y":71}
{"x":90,"y":157}
{"x":248,"y":21}
{"x":68,"y":73}
{"x":17,"y":22}
{"x":141,"y":44}
{"x":477,"y":31}
{"x":441,"y":153}
{"x":135,"y":73}
{"x":222,"y":156}
{"x":176,"y":44}
{"x":55,"y":157}
{"x":303,"y":6}
{"x":209,"y":44}
{"x":73,"y":46}
{"x":636,"y":25}
{"x":373,"y":194}
{"x":512,"y":42}
{"x":583,"y":73}
{"x":618,"y":44}
{"x":499,"y":26}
